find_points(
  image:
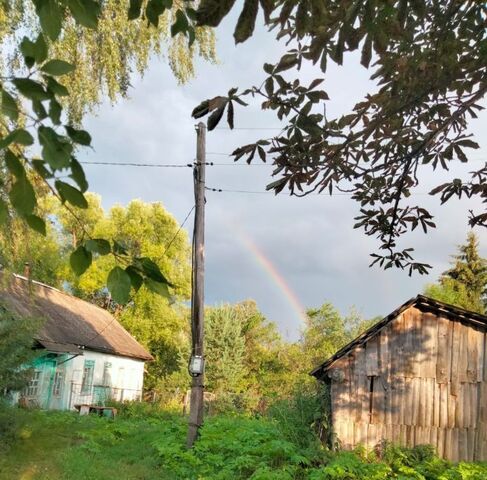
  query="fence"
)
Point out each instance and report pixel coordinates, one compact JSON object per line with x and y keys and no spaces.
{"x":99,"y":394}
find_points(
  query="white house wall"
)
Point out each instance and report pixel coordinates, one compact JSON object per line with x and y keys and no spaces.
{"x":60,"y":380}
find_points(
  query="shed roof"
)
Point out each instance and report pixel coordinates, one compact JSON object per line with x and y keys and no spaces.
{"x":421,"y":302}
{"x":70,"y":324}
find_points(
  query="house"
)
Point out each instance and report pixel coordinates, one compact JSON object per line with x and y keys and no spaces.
{"x":86,"y":356}
{"x":419,"y":376}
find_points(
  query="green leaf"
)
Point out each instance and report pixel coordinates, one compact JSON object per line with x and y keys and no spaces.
{"x":40,"y":49}
{"x":98,"y":245}
{"x":211,"y":12}
{"x":57,"y":67}
{"x":180,"y":25}
{"x":119,"y":249}
{"x":22,"y":196}
{"x":154,"y":9}
{"x":36,"y":223}
{"x":55,"y":87}
{"x":80,"y":260}
{"x":27,"y":48}
{"x":20,"y":136}
{"x":9,"y":106}
{"x":39,"y":109}
{"x":246,"y":21}
{"x":81,"y":137}
{"x":134,"y":9}
{"x":40,"y":168}
{"x":78,"y":175}
{"x":151,"y":269}
{"x":71,"y":194}
{"x":13,"y":164}
{"x":135,"y":278}
{"x":85,"y":12}
{"x":119,"y":284}
{"x":50,"y":17}
{"x":56,"y":150}
{"x":3,"y":212}
{"x":157,"y":287}
{"x":55,"y":111}
{"x":30,"y":89}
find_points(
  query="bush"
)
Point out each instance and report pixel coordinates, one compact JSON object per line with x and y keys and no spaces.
{"x":301,"y":417}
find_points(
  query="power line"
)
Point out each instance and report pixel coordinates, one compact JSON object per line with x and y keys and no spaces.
{"x":179,"y":229}
{"x":134,"y":164}
{"x":269,"y":192}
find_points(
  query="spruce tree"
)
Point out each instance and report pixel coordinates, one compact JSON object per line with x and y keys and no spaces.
{"x":465,"y":283}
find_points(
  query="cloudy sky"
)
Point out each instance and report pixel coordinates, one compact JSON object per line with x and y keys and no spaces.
{"x":286,"y":253}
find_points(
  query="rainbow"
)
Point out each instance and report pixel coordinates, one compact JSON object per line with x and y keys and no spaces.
{"x":270,"y":269}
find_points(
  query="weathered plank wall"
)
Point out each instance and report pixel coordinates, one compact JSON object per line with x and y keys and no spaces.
{"x":422,"y":379}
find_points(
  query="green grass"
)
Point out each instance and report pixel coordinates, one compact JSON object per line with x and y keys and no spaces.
{"x":145,"y":444}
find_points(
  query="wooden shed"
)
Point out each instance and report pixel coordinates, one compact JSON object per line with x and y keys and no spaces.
{"x":419,"y":376}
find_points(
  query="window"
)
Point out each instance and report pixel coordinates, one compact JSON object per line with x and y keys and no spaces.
{"x":57,"y":386}
{"x":87,"y":381}
{"x":107,"y":374}
{"x":33,"y":386}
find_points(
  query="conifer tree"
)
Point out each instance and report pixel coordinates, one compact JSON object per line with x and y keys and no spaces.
{"x":465,"y":283}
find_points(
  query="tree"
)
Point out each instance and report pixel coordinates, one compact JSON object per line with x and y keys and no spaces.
{"x":224,"y":350}
{"x":429,"y":62}
{"x":105,"y":57}
{"x":465,"y":283}
{"x":16,"y":342}
{"x":326,"y":331}
{"x":32,"y":99}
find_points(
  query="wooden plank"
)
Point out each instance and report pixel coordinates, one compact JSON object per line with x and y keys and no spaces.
{"x":378,"y":411}
{"x":359,"y":361}
{"x":418,"y":354}
{"x":407,"y":401}
{"x":448,"y":451}
{"x":459,"y":412}
{"x":440,"y":441}
{"x":436,"y":404}
{"x":443,"y":356}
{"x":455,"y":358}
{"x":463,"y":355}
{"x":409,"y":354}
{"x":429,"y":328}
{"x":385,"y":354}
{"x":481,"y":353}
{"x":454,"y":444}
{"x":443,"y":405}
{"x":452,"y":406}
{"x":429,"y":401}
{"x":472,"y":355}
{"x":396,"y":345}
{"x":372,"y":357}
{"x":471,"y":436}
{"x":462,"y":443}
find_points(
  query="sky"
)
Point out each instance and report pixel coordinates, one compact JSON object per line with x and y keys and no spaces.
{"x":284,"y":252}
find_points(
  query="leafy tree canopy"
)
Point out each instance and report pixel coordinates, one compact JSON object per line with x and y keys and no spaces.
{"x":429,"y":62}
{"x":34,"y":92}
{"x":105,"y":57}
{"x":16,"y":341}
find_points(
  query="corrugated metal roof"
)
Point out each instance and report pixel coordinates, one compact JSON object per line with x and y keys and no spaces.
{"x":69,"y":321}
{"x":420,"y":301}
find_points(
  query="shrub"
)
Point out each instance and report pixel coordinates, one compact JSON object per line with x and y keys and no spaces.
{"x":301,"y":416}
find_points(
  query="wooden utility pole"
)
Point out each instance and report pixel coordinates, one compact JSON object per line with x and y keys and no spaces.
{"x":197,"y":294}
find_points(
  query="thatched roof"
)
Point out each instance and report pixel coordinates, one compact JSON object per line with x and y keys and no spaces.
{"x":421,"y":302}
{"x":70,"y":324}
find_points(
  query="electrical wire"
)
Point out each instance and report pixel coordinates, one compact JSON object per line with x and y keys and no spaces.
{"x":179,"y":229}
{"x":134,"y":164}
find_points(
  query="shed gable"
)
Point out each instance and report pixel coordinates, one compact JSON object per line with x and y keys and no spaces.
{"x":420,"y":378}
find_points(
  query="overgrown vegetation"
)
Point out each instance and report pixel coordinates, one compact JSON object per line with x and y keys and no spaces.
{"x":147,"y":443}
